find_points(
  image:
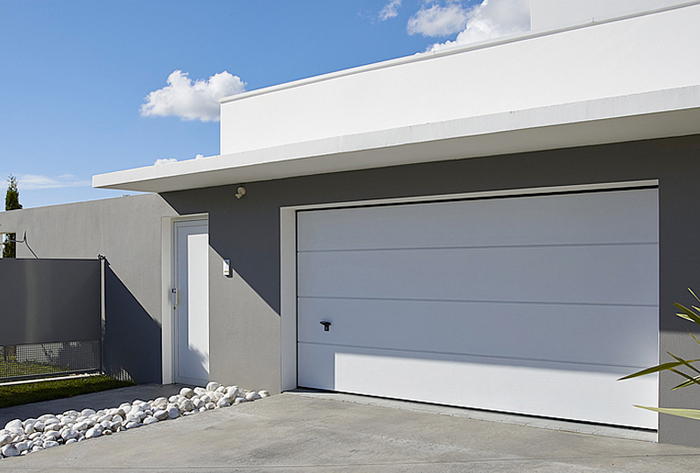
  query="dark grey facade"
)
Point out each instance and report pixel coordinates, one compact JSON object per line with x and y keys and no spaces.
{"x":244,"y":310}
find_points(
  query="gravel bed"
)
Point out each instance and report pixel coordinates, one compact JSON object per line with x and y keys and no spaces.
{"x":21,"y":437}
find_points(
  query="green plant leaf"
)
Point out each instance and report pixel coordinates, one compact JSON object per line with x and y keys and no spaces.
{"x":694,"y":338}
{"x":692,"y":380}
{"x":689,"y":413}
{"x":696,"y":297}
{"x":656,"y":369}
{"x":687,"y":313}
{"x":678,"y":358}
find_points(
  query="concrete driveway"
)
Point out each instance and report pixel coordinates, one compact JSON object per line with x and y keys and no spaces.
{"x":297,"y":432}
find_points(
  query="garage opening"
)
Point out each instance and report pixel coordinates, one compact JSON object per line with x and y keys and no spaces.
{"x":531,"y":304}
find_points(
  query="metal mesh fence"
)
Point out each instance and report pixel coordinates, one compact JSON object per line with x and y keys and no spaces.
{"x":48,"y":359}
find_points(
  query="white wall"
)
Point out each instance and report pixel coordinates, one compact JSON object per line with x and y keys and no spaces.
{"x":550,"y":14}
{"x":605,"y":61}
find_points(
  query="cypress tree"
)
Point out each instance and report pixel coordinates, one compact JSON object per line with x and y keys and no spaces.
{"x":11,"y":203}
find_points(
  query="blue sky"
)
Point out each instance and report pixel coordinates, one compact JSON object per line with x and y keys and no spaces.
{"x":77,"y":74}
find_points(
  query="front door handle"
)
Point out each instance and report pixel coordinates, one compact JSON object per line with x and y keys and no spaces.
{"x":326,"y":325}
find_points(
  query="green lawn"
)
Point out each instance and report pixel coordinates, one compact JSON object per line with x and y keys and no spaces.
{"x":10,"y":368}
{"x":18,"y":394}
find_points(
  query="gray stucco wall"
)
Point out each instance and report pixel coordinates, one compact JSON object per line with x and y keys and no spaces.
{"x":127,"y":231}
{"x":244,"y":320}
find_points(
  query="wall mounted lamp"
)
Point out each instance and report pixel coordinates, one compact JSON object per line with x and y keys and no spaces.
{"x":240,"y":192}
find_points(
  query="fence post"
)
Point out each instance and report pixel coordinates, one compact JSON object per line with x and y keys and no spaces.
{"x":102,"y":311}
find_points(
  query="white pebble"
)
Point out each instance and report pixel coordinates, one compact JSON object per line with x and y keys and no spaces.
{"x":5,"y":439}
{"x":173,"y":412}
{"x":13,"y":425}
{"x":160,"y":402}
{"x":223,"y":402}
{"x":186,"y":405}
{"x":69,"y":434}
{"x":212,"y":386}
{"x":52,"y":427}
{"x":264,"y":393}
{"x":51,"y":435}
{"x":22,"y":446}
{"x":83,"y":425}
{"x":186,"y":392}
{"x":51,"y":443}
{"x":9,"y":451}
{"x":149,"y":420}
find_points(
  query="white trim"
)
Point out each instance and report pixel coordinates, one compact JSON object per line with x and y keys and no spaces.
{"x":167,"y":256}
{"x":288,"y":256}
{"x":166,"y":316}
{"x":288,"y":298}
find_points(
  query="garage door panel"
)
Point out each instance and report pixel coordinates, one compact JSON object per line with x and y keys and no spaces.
{"x":590,"y":393}
{"x":562,"y":333}
{"x":531,"y":304}
{"x":610,"y":217}
{"x":562,"y":274}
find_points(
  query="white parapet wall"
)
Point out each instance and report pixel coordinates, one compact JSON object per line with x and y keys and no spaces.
{"x":603,"y":61}
{"x":551,"y":14}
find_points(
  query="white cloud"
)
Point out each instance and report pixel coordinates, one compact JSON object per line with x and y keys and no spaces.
{"x":164,"y":161}
{"x":198,"y":100}
{"x":390,"y":10}
{"x":438,"y":20}
{"x":35,"y":181}
{"x":491,"y":19}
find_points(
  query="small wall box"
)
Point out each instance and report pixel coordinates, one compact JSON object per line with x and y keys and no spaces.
{"x":227,"y":268}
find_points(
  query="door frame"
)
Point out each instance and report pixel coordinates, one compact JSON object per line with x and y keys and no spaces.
{"x":168,"y":273}
{"x":288,"y":253}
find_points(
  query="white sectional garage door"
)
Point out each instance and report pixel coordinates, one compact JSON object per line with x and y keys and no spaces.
{"x":533,"y":304}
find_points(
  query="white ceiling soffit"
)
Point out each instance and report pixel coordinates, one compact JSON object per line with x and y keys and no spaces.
{"x":660,"y":114}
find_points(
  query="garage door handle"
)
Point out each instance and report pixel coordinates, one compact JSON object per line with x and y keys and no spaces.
{"x":326,"y":325}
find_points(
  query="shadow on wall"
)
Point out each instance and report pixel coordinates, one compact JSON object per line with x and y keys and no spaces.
{"x":132,"y":339}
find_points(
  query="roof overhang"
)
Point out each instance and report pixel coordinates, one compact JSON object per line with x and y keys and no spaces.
{"x":658,"y":114}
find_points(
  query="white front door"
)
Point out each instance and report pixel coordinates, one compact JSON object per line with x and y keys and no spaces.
{"x":192,"y":302}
